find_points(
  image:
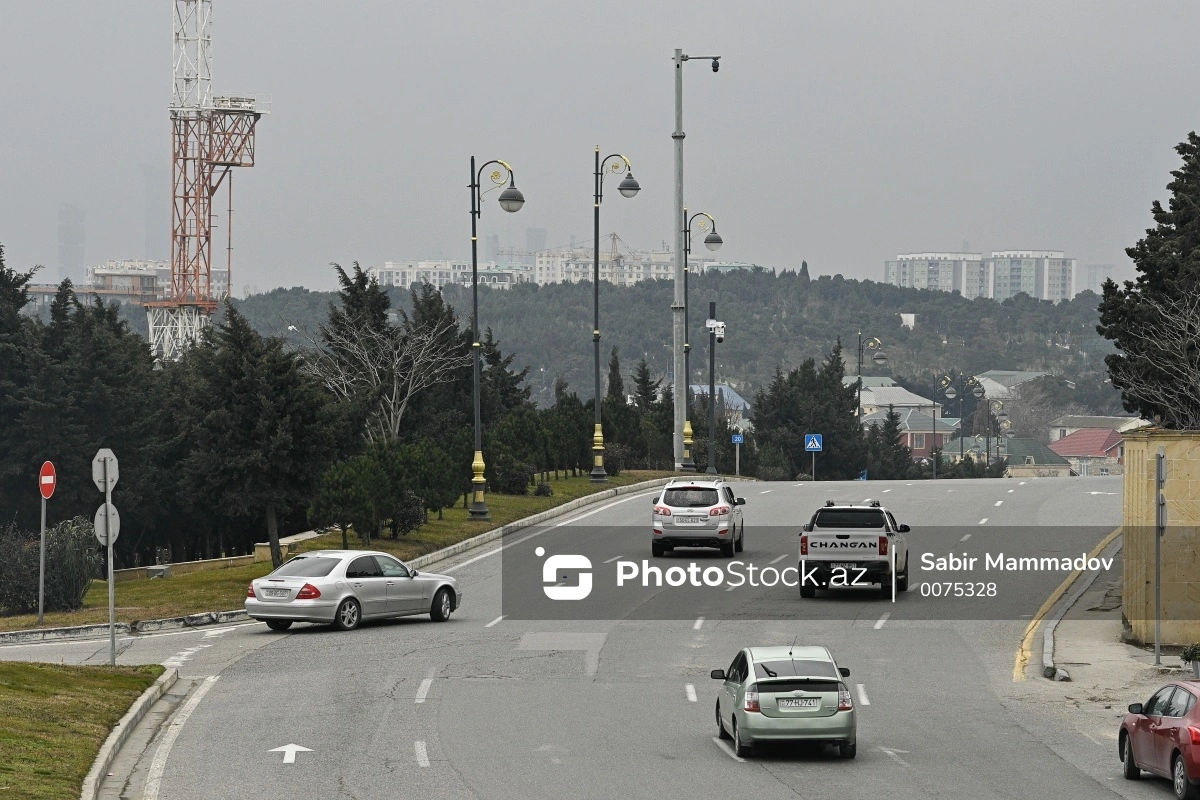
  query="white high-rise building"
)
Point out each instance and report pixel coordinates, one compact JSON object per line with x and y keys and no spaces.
{"x":1044,"y":274}
{"x":944,"y":272}
{"x":442,"y":273}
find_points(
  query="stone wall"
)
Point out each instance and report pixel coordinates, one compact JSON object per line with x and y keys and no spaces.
{"x":1180,"y":545}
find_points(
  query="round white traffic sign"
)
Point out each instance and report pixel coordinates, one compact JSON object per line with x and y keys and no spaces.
{"x":107,"y":523}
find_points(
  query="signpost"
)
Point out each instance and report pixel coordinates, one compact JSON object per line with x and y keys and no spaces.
{"x":738,"y":439}
{"x":1160,"y":528}
{"x":47,"y":480}
{"x":814,"y":443}
{"x":108,"y":525}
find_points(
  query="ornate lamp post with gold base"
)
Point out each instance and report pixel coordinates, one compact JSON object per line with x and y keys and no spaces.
{"x":628,"y":188}
{"x":712,"y":241}
{"x":510,"y":200}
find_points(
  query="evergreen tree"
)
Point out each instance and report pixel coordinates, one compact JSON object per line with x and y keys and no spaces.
{"x":1153,"y":321}
{"x":804,"y":272}
{"x":262,"y":428}
{"x":501,"y":387}
{"x":616,"y":386}
{"x":644,"y":387}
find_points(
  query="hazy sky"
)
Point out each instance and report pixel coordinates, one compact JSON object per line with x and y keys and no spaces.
{"x":840,"y":133}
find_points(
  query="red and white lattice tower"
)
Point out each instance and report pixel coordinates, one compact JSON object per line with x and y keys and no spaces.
{"x":210,"y":135}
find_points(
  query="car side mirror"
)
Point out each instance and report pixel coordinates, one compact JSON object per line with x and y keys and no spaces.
{"x":412,"y":573}
{"x":844,"y":672}
{"x":1135,"y":708}
{"x":719,"y":675}
{"x":741,"y":501}
{"x":808,"y":527}
{"x":904,"y":529}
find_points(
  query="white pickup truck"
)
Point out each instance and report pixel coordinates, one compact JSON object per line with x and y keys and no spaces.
{"x":852,"y":544}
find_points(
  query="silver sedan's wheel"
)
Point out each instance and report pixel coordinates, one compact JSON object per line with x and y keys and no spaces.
{"x":743,"y":749}
{"x":441,"y":608}
{"x":348,"y":615}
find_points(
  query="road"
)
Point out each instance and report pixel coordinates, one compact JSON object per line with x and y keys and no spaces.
{"x":491,"y":705}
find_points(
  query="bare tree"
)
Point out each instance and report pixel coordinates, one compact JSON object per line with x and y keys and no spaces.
{"x":384,"y":368}
{"x":1161,"y":366}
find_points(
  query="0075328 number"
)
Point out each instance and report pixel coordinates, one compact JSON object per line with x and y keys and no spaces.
{"x":948,"y":589}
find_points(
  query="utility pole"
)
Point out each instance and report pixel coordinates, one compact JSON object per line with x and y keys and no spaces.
{"x":677,"y":323}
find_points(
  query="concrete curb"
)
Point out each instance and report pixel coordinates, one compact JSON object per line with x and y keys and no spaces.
{"x":112,"y":745}
{"x":498,"y":533}
{"x":1111,"y":546}
{"x":238,"y":615}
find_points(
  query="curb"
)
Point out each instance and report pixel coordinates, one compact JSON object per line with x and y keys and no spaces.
{"x":1049,"y":670}
{"x":116,"y":739}
{"x":498,"y":533}
{"x":238,"y":615}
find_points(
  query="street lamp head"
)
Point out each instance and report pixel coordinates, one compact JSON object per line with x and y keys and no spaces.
{"x":977,"y":391}
{"x":629,"y":187}
{"x":950,"y":393}
{"x":716,"y":63}
{"x":880,"y":357}
{"x":713,"y":241}
{"x":511,"y":198}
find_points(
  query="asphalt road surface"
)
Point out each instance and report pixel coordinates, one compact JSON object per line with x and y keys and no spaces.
{"x":491,"y":705}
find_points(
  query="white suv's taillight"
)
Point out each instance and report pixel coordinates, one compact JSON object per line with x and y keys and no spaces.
{"x":883,"y":545}
{"x":718,"y":511}
{"x":751,"y":703}
{"x":662,"y":511}
{"x":804,"y":545}
{"x":845,"y":702}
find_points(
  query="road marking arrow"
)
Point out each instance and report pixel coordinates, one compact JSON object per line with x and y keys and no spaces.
{"x":289,"y":752}
{"x":892,"y":753}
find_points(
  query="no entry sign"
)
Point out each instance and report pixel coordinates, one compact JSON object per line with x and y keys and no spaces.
{"x":47,"y":480}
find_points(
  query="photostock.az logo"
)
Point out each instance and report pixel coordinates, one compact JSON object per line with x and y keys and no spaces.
{"x":554,"y":588}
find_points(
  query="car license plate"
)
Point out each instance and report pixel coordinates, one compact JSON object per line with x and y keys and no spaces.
{"x":276,"y":592}
{"x":689,"y":520}
{"x":843,"y":565}
{"x":799,"y":702}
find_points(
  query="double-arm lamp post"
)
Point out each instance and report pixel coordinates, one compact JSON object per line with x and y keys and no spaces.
{"x":628,"y":188}
{"x":947,"y":389}
{"x":871,"y":343}
{"x":511,"y":201}
{"x":712,"y":241}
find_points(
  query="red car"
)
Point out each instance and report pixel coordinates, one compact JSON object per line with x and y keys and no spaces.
{"x":1162,"y":736}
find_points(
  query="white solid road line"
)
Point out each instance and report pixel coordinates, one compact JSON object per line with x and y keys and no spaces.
{"x":691,"y":693}
{"x":862,"y":695}
{"x":155,"y":774}
{"x":727,"y":750}
{"x":698,"y":623}
{"x":963,"y":539}
{"x":422,"y":754}
{"x":781,"y":558}
{"x":999,"y":502}
{"x":982,"y":521}
{"x":614,"y":558}
{"x":423,"y":690}
{"x":544,"y":530}
{"x":879,"y":622}
{"x":495,"y":621}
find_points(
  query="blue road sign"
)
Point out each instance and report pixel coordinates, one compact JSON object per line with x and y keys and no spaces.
{"x":813,"y":443}
{"x":738,"y":439}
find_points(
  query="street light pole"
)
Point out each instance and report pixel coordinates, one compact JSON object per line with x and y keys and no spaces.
{"x":871,"y":343}
{"x":511,"y":201}
{"x":716,"y":333}
{"x":628,"y":188}
{"x":712,"y":241}
{"x":678,"y":305}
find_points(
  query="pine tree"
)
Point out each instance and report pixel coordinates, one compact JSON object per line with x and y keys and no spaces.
{"x":804,"y":272}
{"x":1153,"y":320}
{"x":616,"y":386}
{"x":645,"y":388}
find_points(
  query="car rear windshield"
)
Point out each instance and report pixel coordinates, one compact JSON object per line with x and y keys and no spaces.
{"x":849,"y":518}
{"x":307,"y":567}
{"x":792,"y":668}
{"x":694,"y":497}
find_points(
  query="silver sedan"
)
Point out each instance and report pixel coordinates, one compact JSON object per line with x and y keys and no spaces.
{"x":345,"y":587}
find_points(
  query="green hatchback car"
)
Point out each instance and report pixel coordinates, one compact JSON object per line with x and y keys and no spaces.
{"x":795,"y":693}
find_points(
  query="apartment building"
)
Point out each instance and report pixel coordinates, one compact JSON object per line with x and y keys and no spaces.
{"x":1044,"y":274}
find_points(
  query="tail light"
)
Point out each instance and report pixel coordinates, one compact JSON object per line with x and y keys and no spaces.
{"x":657,"y":532}
{"x":719,"y":511}
{"x":804,"y":545}
{"x":662,"y":511}
{"x":883,"y":545}
{"x":308,"y":592}
{"x":845,"y":702}
{"x":751,"y":703}
{"x":250,"y":590}
{"x":1195,"y":734}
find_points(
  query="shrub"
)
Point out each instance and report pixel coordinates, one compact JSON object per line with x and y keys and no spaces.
{"x":512,"y":477}
{"x":408,"y":515}
{"x":72,"y":560}
{"x":543,"y":490}
{"x":1191,"y":652}
{"x":616,"y":456}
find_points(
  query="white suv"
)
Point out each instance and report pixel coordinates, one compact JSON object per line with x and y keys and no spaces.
{"x":701,"y":512}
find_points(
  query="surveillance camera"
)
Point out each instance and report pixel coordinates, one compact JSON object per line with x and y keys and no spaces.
{"x":716,"y":64}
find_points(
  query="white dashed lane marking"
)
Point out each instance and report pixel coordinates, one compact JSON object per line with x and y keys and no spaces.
{"x":496,"y":621}
{"x":780,"y":558}
{"x":727,"y":750}
{"x":862,"y":695}
{"x":999,"y":502}
{"x":690,"y":690}
{"x":963,"y":539}
{"x":879,"y":622}
{"x":422,"y":754}
{"x":699,"y":623}
{"x":983,"y":521}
